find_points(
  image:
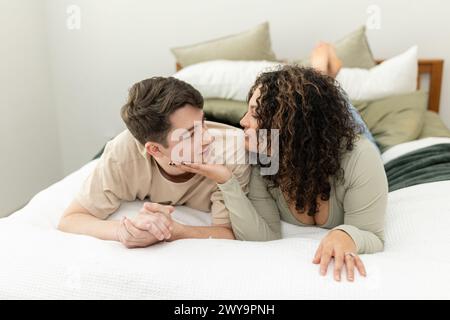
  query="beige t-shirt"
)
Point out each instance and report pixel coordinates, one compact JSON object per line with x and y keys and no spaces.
{"x":125,"y":172}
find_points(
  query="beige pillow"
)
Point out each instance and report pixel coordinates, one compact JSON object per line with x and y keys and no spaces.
{"x":353,"y":50}
{"x":434,"y":126}
{"x":253,"y":44}
{"x":395,"y":119}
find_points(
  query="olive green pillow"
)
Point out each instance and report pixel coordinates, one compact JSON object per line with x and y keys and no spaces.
{"x":394,"y":119}
{"x":254,"y":44}
{"x":353,"y":50}
{"x":434,"y":126}
{"x":226,"y":111}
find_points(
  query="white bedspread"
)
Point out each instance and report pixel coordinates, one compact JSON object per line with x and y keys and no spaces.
{"x":37,"y":261}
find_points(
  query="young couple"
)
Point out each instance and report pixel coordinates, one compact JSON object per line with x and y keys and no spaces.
{"x":329,"y":174}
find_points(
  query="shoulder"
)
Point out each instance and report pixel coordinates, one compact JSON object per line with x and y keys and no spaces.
{"x":124,"y":148}
{"x":362,"y":148}
{"x":363,"y":159}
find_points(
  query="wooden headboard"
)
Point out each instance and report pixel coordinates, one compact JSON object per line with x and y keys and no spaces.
{"x":432,"y":68}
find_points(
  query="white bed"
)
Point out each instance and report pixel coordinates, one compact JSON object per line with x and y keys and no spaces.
{"x":37,"y":261}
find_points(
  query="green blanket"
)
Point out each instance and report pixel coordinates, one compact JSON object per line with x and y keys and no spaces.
{"x":428,"y":164}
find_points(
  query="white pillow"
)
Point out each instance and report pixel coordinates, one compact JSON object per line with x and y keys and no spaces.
{"x":224,"y":79}
{"x":394,"y":76}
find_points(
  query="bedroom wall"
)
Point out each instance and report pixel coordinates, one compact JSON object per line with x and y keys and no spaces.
{"x":30,"y":154}
{"x":123,"y":41}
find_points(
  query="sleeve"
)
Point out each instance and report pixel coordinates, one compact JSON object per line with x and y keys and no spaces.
{"x":219,"y":210}
{"x":365,"y":202}
{"x":256,"y":217}
{"x":102,"y":191}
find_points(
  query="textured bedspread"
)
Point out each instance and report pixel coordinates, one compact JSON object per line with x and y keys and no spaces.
{"x":37,"y":261}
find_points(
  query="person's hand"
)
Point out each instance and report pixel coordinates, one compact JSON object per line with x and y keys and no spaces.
{"x":216,"y":172}
{"x":153,"y":224}
{"x":155,"y":218}
{"x":339,"y":245}
{"x":132,"y":237}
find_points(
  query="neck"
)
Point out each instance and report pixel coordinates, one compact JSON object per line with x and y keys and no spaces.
{"x":171,"y":173}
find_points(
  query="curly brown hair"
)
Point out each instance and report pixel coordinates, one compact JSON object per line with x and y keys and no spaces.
{"x":316,"y":128}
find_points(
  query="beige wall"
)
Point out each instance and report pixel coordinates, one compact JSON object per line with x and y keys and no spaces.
{"x":29,"y":147}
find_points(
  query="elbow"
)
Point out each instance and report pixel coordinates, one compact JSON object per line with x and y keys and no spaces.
{"x":380,"y":236}
{"x":64,"y":224}
{"x":274,"y":236}
{"x":230,"y":235}
{"x":270,"y":236}
{"x":374,"y":246}
{"x":382,"y":244}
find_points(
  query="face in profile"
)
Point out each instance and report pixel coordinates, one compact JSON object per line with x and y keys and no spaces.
{"x":189,"y":139}
{"x":250,"y":124}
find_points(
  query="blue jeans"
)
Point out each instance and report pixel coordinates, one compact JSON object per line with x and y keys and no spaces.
{"x":361,"y":122}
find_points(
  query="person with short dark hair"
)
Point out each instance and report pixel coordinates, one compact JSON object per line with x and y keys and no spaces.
{"x":138,"y":164}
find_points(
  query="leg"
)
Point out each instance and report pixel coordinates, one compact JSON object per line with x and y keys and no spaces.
{"x":334,"y":63}
{"x":320,"y":57}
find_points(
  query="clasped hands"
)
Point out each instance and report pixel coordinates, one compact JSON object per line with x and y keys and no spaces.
{"x":153,"y":224}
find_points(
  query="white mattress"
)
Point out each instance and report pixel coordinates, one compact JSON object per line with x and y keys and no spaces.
{"x":37,"y":261}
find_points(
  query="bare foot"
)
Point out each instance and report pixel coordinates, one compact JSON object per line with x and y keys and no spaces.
{"x":334,"y":63}
{"x":320,"y":57}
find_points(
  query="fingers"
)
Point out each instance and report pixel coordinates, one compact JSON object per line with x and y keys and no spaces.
{"x":317,"y":255}
{"x":145,"y":220}
{"x":191,"y":168}
{"x":125,"y":237}
{"x":131,"y":229}
{"x":194,"y":166}
{"x":165,"y":221}
{"x":160,"y":230}
{"x":159,"y":225}
{"x":156,"y":231}
{"x":360,"y":266}
{"x":338,"y":264}
{"x":325,"y":261}
{"x":350,"y":267}
{"x":155,"y":219}
{"x":153,"y":207}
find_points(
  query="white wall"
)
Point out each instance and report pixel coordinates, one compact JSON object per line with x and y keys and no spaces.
{"x":29,"y":147}
{"x":123,"y":41}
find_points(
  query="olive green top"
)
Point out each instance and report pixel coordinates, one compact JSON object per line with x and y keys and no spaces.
{"x":357,"y":205}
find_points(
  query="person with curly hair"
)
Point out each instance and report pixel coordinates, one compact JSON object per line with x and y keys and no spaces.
{"x":330,"y":175}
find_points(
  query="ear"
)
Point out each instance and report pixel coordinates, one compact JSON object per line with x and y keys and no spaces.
{"x":154,"y":149}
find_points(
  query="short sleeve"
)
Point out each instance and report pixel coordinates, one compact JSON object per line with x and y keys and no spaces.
{"x":102,"y":191}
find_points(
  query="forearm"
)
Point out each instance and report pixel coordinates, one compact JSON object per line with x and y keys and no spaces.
{"x":366,"y":242}
{"x":81,"y":223}
{"x":248,"y":223}
{"x":192,"y":232}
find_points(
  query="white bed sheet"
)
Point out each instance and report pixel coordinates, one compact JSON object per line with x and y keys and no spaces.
{"x":37,"y":261}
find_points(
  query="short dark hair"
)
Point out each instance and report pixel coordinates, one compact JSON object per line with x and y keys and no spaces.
{"x":150,"y":104}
